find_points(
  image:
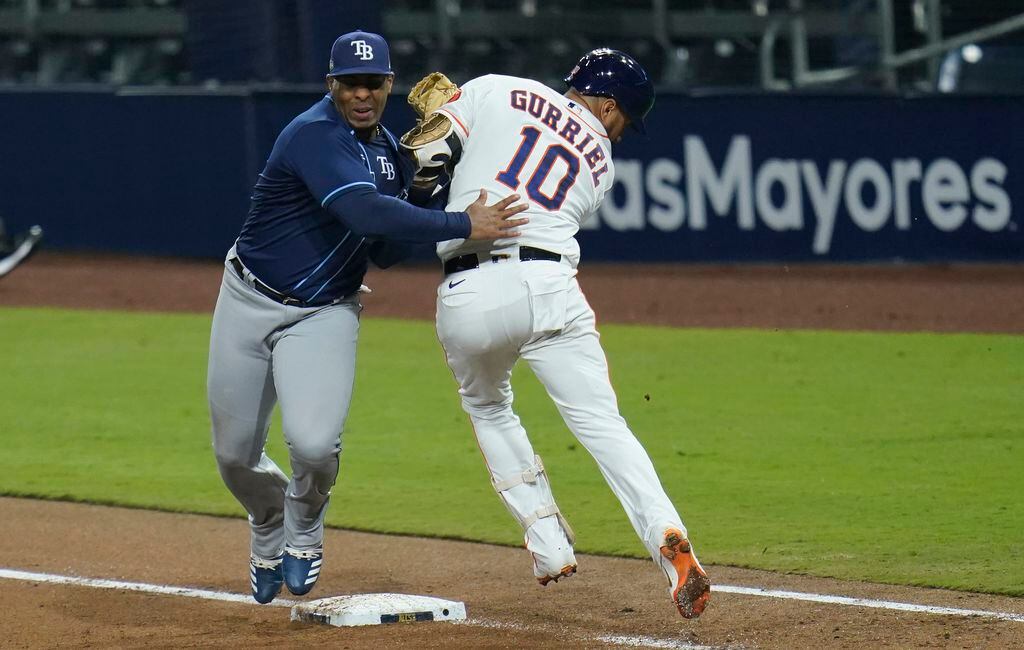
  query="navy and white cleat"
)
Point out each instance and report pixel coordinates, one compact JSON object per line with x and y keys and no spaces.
{"x":266,"y":578}
{"x":302,"y":568}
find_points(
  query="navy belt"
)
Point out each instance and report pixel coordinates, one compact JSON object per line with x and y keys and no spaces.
{"x":276,"y":296}
{"x":472,"y":261}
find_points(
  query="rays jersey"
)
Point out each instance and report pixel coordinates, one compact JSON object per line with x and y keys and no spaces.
{"x":519,"y":136}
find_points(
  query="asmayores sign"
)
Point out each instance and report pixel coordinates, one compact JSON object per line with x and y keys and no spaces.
{"x":915,"y":189}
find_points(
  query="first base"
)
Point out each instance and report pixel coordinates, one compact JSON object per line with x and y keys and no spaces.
{"x":375,"y":609}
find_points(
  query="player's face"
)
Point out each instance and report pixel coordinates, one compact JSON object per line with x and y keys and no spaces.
{"x":617,"y":126}
{"x":360,"y":98}
{"x":612,"y":118}
{"x":615,"y":121}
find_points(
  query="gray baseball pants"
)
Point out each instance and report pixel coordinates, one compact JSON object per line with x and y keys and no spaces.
{"x":263,"y":353}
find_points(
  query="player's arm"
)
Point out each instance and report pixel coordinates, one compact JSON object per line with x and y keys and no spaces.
{"x":387,"y":253}
{"x":330,"y":164}
{"x":434,"y":144}
{"x":434,"y":147}
{"x":370,"y":214}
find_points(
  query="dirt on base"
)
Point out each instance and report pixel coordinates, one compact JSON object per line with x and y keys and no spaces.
{"x":610,"y":602}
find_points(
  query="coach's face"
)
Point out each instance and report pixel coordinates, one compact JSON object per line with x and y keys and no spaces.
{"x":360,"y":98}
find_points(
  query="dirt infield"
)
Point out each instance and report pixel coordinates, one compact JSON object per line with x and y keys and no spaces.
{"x":611,"y":602}
{"x":940,"y":298}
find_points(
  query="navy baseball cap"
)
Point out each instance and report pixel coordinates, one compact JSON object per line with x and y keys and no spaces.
{"x":359,"y":52}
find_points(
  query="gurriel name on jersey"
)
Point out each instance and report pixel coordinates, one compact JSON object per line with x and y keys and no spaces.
{"x":535,"y":105}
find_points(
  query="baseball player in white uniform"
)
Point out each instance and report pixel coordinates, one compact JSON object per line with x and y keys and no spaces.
{"x":505,"y":299}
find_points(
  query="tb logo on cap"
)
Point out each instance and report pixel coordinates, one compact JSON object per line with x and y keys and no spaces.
{"x":363,"y":50}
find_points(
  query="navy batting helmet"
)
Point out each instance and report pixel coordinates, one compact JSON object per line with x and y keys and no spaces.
{"x":611,"y":73}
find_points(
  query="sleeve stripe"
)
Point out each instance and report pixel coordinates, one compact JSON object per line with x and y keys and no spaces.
{"x":327,"y":199}
{"x":457,"y":120}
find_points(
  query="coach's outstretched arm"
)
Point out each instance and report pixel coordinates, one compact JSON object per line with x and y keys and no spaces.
{"x":371,"y":214}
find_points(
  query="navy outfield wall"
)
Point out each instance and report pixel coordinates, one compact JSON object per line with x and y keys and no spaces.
{"x":723,"y":178}
{"x":846,"y":178}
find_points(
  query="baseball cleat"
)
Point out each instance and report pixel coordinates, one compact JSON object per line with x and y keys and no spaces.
{"x":266,"y":578}
{"x":302,"y":568}
{"x":552,"y":552}
{"x":566,"y":571}
{"x":690,"y":587}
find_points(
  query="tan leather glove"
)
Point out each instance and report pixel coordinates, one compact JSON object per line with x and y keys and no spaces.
{"x":432,"y":92}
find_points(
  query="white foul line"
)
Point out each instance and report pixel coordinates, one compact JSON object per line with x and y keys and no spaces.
{"x":135,"y":586}
{"x":97,"y":583}
{"x":866,"y":602}
{"x":634,"y":641}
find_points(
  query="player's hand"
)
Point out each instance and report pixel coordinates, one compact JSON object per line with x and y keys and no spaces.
{"x":495,"y":221}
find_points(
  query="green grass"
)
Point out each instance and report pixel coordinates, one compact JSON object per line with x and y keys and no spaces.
{"x":886,"y":457}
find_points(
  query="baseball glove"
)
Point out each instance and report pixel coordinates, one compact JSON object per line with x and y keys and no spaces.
{"x":432,"y":92}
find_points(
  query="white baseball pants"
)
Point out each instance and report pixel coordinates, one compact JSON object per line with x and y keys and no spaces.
{"x":489,"y":317}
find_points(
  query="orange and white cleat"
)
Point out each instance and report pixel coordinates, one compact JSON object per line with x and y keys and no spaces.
{"x":549,"y":540}
{"x":690,"y":587}
{"x":566,"y":571}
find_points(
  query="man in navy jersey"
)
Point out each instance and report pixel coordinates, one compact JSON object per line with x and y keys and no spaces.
{"x":285,"y":327}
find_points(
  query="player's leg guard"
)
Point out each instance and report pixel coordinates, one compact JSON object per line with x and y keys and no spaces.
{"x":549,"y":538}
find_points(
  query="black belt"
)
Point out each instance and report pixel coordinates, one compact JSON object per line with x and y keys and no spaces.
{"x":472,"y":261}
{"x":265,"y":290}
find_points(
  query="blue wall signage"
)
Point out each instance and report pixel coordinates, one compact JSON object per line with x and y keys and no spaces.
{"x":723,"y":178}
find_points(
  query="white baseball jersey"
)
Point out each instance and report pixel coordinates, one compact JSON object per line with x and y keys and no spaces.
{"x":519,"y":136}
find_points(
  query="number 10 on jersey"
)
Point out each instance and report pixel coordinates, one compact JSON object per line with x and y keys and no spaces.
{"x":511,"y":175}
